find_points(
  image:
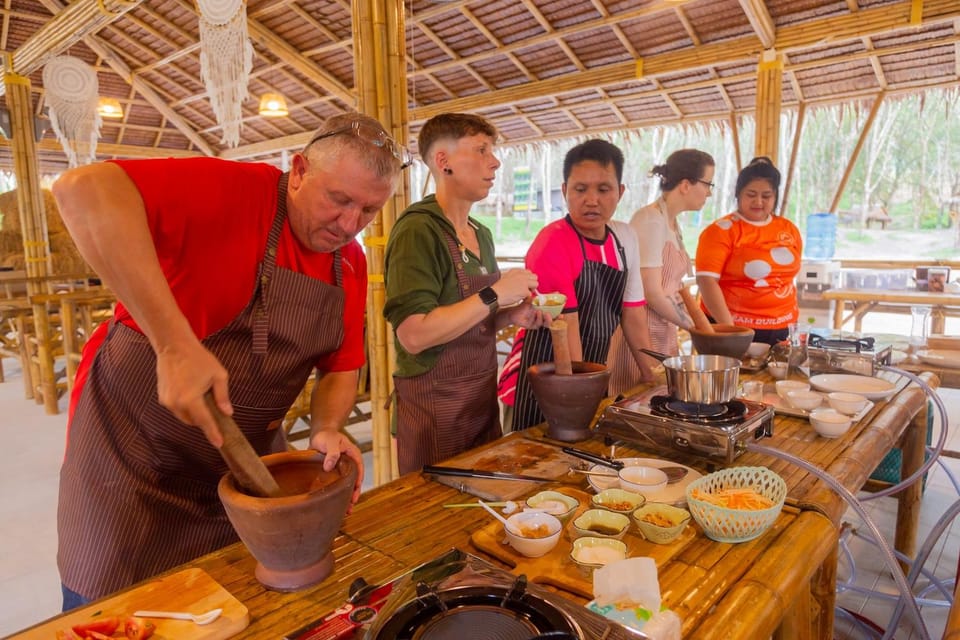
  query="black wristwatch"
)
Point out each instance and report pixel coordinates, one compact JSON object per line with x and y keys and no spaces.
{"x":489,"y":297}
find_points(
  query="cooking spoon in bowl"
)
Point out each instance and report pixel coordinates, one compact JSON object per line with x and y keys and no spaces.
{"x":202,"y":618}
{"x":508,"y":525}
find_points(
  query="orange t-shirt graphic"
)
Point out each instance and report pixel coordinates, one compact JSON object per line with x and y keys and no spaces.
{"x":756,"y":265}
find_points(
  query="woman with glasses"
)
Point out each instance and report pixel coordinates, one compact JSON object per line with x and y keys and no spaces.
{"x":747,"y":261}
{"x":446,"y":298}
{"x":685,"y":184}
{"x":235,"y":281}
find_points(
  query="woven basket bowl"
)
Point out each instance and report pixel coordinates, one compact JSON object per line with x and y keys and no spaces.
{"x":736,"y":525}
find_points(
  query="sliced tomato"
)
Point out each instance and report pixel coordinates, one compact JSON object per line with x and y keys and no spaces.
{"x":96,"y":635}
{"x":138,"y":628}
{"x":106,"y":626}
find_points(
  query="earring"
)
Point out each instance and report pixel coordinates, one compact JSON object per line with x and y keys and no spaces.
{"x":448,"y":171}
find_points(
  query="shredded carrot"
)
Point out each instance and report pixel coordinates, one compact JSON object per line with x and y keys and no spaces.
{"x":735,"y":498}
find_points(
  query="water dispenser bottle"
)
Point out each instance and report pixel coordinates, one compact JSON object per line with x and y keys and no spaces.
{"x":821,"y":240}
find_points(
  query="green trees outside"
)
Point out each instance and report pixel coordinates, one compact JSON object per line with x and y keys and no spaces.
{"x":908,"y":167}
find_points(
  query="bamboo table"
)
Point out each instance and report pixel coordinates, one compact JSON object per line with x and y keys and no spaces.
{"x":865,"y":300}
{"x":782,"y":582}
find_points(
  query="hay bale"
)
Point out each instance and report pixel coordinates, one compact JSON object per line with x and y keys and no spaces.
{"x":11,"y":211}
{"x":10,"y":242}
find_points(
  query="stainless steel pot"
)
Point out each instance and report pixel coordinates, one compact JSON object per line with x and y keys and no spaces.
{"x":704,"y":379}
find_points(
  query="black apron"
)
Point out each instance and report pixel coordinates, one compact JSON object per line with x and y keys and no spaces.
{"x":599,"y":289}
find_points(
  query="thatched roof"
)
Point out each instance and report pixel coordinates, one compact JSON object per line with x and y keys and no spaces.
{"x":541,"y":69}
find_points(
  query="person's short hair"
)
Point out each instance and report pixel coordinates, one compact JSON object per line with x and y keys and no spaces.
{"x":452,"y":126}
{"x":600,"y":151}
{"x":683,"y":164}
{"x":362,"y":134}
{"x":760,"y":168}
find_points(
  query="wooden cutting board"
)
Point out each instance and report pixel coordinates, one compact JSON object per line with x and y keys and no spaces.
{"x":191,"y":590}
{"x":557,"y":568}
{"x":941,"y":341}
{"x":512,"y":455}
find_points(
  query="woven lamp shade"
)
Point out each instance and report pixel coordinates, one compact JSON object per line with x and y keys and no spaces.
{"x":109,"y":108}
{"x":273,"y":105}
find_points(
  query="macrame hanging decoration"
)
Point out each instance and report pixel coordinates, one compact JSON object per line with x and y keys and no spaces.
{"x":226,"y":59}
{"x":71,"y":91}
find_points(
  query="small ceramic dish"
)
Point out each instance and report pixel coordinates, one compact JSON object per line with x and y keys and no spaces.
{"x":555,"y":503}
{"x":804,"y":399}
{"x":661,"y":523}
{"x":757,"y":350}
{"x":550,"y":303}
{"x":591,"y":553}
{"x":540,"y":533}
{"x":830,"y":423}
{"x":618,"y":500}
{"x":847,"y":403}
{"x":646,"y":481}
{"x":777,"y":369}
{"x":600,"y":523}
{"x":786,"y":386}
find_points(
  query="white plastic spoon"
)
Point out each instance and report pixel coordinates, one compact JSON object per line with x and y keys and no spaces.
{"x":508,"y":525}
{"x":203,"y":618}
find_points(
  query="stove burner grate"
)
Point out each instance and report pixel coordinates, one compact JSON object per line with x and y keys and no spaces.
{"x":722,"y":413}
{"x":481,"y":613}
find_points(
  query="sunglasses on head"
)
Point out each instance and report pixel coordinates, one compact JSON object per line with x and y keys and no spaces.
{"x":375,"y":136}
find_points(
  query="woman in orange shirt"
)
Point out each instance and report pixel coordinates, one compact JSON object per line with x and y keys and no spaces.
{"x":747,"y":261}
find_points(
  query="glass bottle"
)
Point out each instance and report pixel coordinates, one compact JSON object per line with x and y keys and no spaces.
{"x":919,"y":325}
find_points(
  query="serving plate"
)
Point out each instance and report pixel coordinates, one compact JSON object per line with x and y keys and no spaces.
{"x":940,"y":357}
{"x":781,"y":407}
{"x":675,"y":493}
{"x":871,"y":388}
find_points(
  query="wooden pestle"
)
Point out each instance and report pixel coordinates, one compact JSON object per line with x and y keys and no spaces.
{"x":700,"y":322}
{"x":561,"y":350}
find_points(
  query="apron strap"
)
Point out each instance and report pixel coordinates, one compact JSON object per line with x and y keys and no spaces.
{"x":267,"y":268}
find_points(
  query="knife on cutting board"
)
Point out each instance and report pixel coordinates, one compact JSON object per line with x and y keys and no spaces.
{"x":478,"y":473}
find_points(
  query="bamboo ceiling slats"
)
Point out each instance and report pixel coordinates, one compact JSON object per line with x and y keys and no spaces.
{"x":542,"y":69}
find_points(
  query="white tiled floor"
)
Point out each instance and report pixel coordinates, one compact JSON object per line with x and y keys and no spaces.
{"x":30,"y":588}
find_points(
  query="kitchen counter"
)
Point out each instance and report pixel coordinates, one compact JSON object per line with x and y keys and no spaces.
{"x":782,"y":580}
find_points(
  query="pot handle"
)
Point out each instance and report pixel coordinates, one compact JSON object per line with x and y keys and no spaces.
{"x":655,"y":354}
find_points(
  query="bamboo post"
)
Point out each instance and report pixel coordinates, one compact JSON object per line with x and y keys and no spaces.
{"x":380,"y":64}
{"x":769,"y":90}
{"x":794,"y":148}
{"x":856,"y":151}
{"x":33,"y":220}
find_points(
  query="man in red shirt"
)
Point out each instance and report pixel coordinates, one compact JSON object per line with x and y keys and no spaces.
{"x":232,"y":279}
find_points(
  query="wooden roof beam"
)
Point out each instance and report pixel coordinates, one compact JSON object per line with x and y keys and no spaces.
{"x":688,"y":26}
{"x":761,"y":21}
{"x":109,"y":149}
{"x":874,"y":21}
{"x":67,"y":27}
{"x":285,"y":52}
{"x":657,"y":6}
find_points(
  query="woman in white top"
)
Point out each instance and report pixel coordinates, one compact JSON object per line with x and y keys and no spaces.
{"x":686,"y":180}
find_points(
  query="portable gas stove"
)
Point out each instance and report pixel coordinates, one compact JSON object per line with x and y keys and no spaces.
{"x":860,"y":354}
{"x":654,"y":420}
{"x":463,"y":597}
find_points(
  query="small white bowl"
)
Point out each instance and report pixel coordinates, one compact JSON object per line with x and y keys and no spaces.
{"x":532,"y":546}
{"x":848,"y":403}
{"x":757,"y":349}
{"x":829,"y":423}
{"x":786,"y":386}
{"x":646,"y":481}
{"x":804,"y":399}
{"x":777,"y":369}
